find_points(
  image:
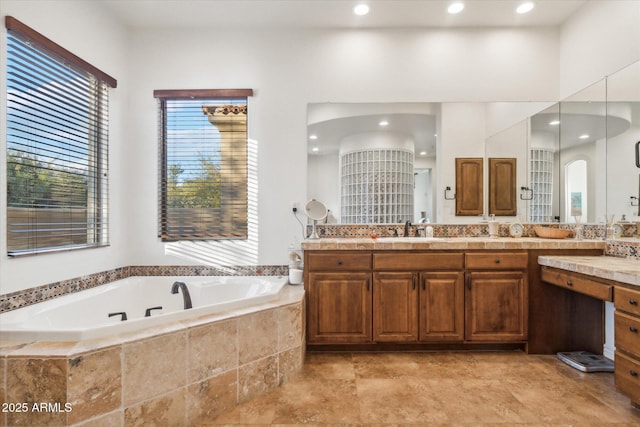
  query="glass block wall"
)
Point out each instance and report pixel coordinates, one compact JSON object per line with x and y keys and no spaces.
{"x":376,"y":186}
{"x":542,"y":185}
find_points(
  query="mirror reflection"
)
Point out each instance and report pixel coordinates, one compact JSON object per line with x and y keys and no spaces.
{"x":373,"y":163}
{"x":575,"y":159}
{"x":623,"y":102}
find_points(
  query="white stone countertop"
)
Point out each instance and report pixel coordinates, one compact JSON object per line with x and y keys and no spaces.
{"x":625,"y":270}
{"x":448,"y":243}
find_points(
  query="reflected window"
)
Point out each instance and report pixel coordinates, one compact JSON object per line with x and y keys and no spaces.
{"x":576,"y":190}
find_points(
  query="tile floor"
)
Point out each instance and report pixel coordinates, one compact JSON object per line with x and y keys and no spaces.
{"x":439,"y":389}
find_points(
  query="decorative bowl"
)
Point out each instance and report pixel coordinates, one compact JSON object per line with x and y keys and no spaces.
{"x":551,"y":233}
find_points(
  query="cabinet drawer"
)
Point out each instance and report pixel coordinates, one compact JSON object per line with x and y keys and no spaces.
{"x":627,"y":330}
{"x":418,"y":261}
{"x":627,"y":376}
{"x":627,"y":300}
{"x":577,"y":283}
{"x":496,"y":261}
{"x":344,"y":261}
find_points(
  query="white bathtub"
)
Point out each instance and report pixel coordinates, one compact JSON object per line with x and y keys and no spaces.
{"x":85,"y":315}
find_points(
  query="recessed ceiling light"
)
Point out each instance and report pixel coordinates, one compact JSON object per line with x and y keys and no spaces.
{"x":361,"y":9}
{"x":525,"y":7}
{"x":423,"y":153}
{"x":456,"y":7}
{"x":383,"y":123}
{"x":315,"y":149}
{"x":584,"y":136}
{"x":313,"y":136}
{"x":554,"y":122}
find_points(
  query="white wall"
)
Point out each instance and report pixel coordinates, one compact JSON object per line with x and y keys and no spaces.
{"x":84,"y":29}
{"x":601,"y":38}
{"x":288,"y":69}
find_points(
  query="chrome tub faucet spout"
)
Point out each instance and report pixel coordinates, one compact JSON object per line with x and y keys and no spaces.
{"x":185,"y":293}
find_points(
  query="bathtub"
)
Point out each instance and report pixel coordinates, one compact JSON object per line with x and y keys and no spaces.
{"x":85,"y":315}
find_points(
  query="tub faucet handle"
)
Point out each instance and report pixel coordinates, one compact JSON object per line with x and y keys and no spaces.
{"x":122,"y":314}
{"x":147,"y":312}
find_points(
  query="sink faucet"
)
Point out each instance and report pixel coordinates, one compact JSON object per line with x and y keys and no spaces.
{"x":406,"y":228}
{"x":185,"y":293}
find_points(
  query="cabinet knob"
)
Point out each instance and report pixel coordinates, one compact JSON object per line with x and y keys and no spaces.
{"x":633,"y":302}
{"x":633,"y":329}
{"x":633,"y":373}
{"x":569,"y":283}
{"x":339,"y":262}
{"x":497,"y":260}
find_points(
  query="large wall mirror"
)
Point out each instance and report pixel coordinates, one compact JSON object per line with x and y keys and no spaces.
{"x":623,"y":133}
{"x":373,"y":162}
{"x":575,"y":159}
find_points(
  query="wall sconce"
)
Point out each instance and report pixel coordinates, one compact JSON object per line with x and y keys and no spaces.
{"x":527,"y":193}
{"x":636,"y":203}
{"x":447,"y":196}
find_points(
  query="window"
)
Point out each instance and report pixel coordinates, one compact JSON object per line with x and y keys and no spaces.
{"x":57,"y":146}
{"x":203,"y":164}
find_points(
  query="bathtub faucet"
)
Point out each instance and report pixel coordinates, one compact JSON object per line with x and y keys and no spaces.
{"x":185,"y":293}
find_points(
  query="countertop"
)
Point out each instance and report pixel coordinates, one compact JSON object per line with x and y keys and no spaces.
{"x":448,"y":243}
{"x":623,"y":270}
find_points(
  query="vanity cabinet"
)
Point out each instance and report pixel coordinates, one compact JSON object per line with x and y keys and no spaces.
{"x":442,"y":306}
{"x":395,"y":307}
{"x":496,"y":296}
{"x":338,"y":286}
{"x":418,"y":296}
{"x":627,"y":339}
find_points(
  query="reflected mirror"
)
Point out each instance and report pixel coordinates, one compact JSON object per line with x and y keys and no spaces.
{"x":582,"y":159}
{"x":623,"y":133}
{"x":544,"y":145}
{"x":373,"y":163}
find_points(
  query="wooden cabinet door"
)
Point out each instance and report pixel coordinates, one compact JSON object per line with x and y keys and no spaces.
{"x":339,"y":307}
{"x":469,"y":186}
{"x":502,"y":186}
{"x":495,"y":306}
{"x":395,"y":307}
{"x":442,"y":306}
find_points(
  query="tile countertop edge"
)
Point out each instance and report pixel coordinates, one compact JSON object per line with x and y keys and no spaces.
{"x":623,"y":270}
{"x":449,"y":243}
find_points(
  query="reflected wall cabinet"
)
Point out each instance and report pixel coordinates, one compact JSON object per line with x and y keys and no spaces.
{"x":502,"y":186}
{"x":469,"y":186}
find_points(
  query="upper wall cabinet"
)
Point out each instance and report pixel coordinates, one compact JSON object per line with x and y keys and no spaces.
{"x":469,"y":186}
{"x":502,"y":186}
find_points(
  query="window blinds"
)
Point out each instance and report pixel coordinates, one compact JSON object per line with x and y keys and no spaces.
{"x":57,"y":151}
{"x":203,"y":164}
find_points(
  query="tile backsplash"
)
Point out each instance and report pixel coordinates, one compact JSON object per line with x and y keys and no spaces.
{"x":628,"y":246}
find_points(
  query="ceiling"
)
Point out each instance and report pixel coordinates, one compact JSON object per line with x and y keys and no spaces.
{"x":214,"y":14}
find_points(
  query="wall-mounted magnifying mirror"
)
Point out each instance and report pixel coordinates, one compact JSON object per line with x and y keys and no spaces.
{"x":316,"y":211}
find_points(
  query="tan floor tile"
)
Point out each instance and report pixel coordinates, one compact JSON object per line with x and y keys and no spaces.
{"x":324,"y":402}
{"x":398,"y":401}
{"x":439,"y":389}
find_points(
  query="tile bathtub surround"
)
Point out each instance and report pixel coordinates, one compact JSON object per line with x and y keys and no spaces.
{"x":185,"y":377}
{"x":38,"y":294}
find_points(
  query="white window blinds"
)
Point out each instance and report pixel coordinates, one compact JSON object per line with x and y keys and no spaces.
{"x":57,"y":150}
{"x":203,"y":164}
